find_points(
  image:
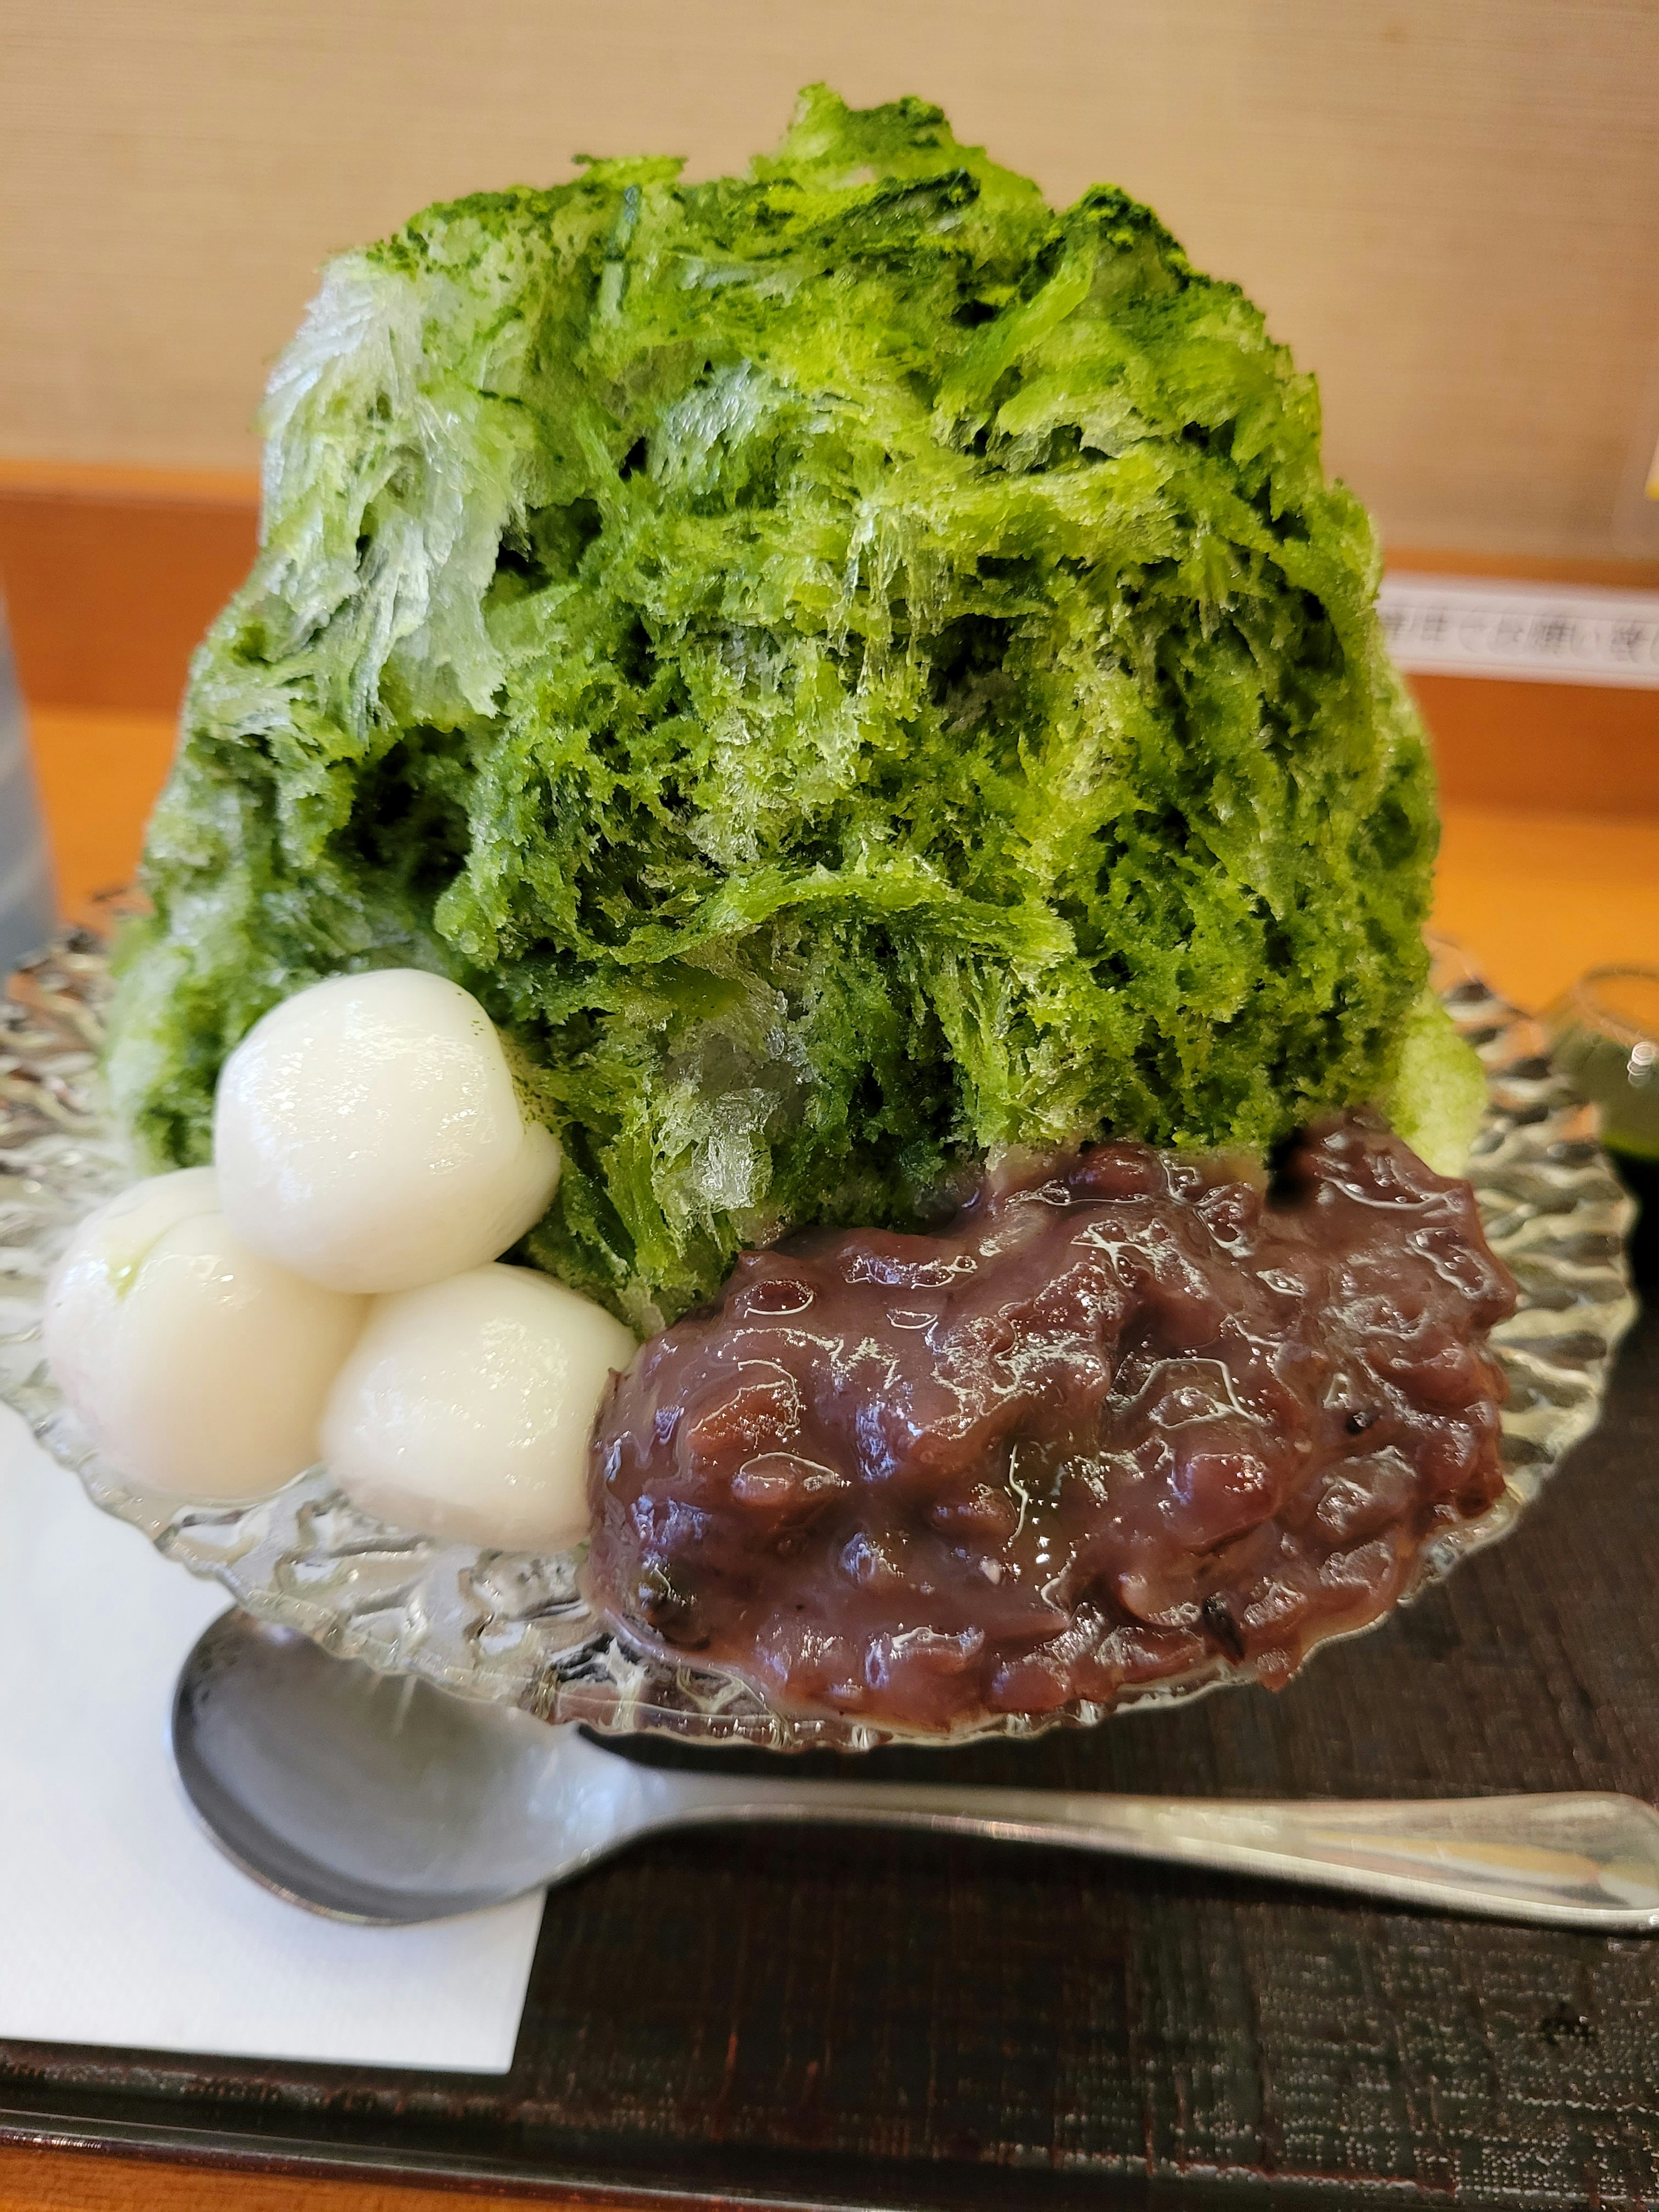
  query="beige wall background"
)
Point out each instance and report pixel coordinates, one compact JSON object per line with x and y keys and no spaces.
{"x":1449,"y":208}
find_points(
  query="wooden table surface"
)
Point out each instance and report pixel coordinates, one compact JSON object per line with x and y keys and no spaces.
{"x":1534,"y":898}
{"x":75,"y":2181}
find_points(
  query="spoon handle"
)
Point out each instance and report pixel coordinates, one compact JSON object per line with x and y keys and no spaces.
{"x":1582,"y":1859}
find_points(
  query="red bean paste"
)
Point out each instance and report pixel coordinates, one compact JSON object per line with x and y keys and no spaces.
{"x":1124,"y":1412}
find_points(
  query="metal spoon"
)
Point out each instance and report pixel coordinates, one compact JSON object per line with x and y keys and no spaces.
{"x":374,"y":1797}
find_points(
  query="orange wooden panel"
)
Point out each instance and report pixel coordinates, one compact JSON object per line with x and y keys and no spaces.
{"x":82,"y":2181}
{"x":128,"y":480}
{"x":1536,"y":899}
{"x":1629,"y":575}
{"x":98,"y":776}
{"x":1560,"y":748}
{"x":108,"y":593}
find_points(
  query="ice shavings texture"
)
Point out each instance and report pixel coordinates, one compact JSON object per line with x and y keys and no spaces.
{"x":853,"y":667}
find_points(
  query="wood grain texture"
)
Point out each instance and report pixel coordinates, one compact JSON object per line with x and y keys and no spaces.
{"x":109,"y":590}
{"x":873,"y":2021}
{"x":80,"y":2181}
{"x":1447,"y":211}
{"x":1554,"y":748}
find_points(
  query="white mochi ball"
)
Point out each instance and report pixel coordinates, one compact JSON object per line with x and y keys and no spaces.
{"x":464,"y":1409}
{"x":368,"y":1133}
{"x":199,"y":1369}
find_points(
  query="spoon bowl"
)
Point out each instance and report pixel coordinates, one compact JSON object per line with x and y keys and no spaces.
{"x":364,"y":1796}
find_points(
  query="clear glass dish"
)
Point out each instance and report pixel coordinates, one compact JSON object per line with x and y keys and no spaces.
{"x":512,"y":1628}
{"x":1604,"y":1034}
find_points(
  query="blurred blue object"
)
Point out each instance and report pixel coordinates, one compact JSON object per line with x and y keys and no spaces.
{"x":26,"y":904}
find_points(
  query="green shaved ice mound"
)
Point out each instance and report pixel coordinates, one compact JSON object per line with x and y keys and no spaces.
{"x":853,"y":667}
{"x":1440,"y":1091}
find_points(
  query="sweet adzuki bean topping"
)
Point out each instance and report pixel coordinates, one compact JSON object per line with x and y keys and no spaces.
{"x":1125,"y":1411}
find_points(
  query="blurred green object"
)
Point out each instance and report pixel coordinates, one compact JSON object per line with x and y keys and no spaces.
{"x":1604,"y":1033}
{"x":853,"y":667}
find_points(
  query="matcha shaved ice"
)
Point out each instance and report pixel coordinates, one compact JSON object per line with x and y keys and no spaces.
{"x":854,"y":668}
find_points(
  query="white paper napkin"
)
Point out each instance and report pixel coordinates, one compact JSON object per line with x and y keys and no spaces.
{"x":119,"y":1922}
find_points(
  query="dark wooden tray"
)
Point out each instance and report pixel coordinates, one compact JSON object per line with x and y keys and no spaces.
{"x":836,"y":2019}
